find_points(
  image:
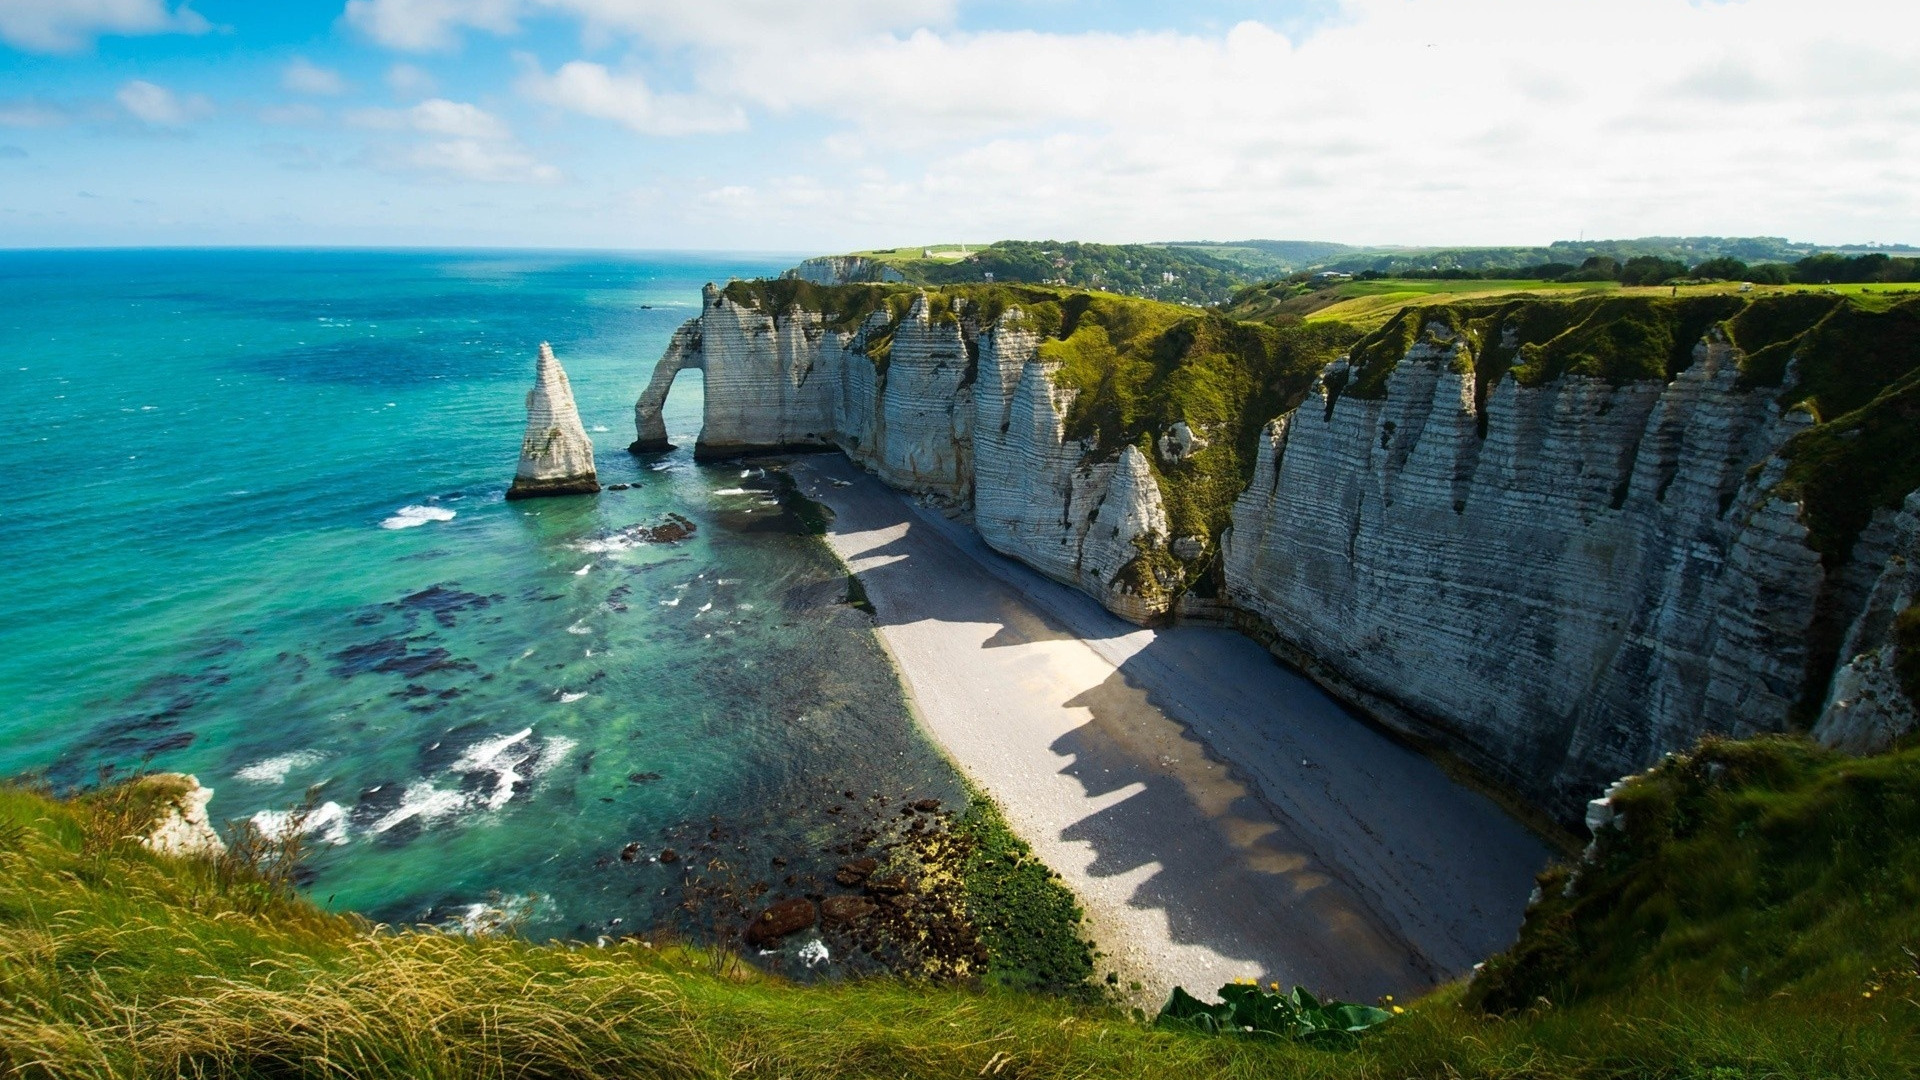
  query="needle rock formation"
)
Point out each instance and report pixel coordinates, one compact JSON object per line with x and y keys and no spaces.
{"x":556,"y":457}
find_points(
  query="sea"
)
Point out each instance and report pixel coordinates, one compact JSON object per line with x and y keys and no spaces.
{"x":255,"y":531}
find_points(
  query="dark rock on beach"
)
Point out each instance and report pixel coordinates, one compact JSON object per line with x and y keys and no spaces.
{"x":855,"y":872}
{"x":780,"y":920}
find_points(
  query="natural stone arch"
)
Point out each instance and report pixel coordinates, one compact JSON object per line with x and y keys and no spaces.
{"x":683,"y":352}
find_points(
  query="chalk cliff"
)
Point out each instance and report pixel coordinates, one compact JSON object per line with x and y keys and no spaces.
{"x":556,"y":457}
{"x":1558,"y":573}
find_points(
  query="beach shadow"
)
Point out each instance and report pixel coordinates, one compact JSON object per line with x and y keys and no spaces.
{"x":1360,"y":872}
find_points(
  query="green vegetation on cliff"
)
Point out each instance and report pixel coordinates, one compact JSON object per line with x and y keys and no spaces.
{"x":1743,"y":872}
{"x":1756,"y":919}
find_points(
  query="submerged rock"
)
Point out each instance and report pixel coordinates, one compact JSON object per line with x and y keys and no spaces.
{"x":556,"y":457}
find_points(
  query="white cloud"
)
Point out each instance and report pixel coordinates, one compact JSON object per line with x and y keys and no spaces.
{"x":159,"y":106}
{"x":423,"y":25}
{"x":407,"y":81}
{"x":303,"y":76}
{"x":470,"y":159}
{"x":1403,"y":121}
{"x":592,"y":90}
{"x":457,"y":139}
{"x":60,"y":26}
{"x":437,"y":24}
{"x":437,"y":116}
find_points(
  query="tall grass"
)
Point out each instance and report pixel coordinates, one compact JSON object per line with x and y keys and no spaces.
{"x":117,"y":962}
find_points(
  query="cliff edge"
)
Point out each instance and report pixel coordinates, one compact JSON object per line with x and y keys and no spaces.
{"x":1555,"y":538}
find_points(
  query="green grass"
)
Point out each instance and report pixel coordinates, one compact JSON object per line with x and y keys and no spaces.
{"x":1371,"y":304}
{"x":1729,"y":933}
{"x":1748,"y":872}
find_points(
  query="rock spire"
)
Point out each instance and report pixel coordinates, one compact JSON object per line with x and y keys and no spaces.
{"x":556,"y":457}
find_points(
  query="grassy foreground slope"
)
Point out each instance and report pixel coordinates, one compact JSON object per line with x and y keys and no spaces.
{"x":1756,"y":918}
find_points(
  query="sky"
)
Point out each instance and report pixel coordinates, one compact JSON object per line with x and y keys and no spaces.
{"x":833,"y":125}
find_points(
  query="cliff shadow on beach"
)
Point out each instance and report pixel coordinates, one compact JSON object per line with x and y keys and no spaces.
{"x":1211,"y":788}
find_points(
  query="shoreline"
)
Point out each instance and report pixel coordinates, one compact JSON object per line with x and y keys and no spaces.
{"x":1153,"y":769}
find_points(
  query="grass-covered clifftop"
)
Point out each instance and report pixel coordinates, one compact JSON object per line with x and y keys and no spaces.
{"x":1756,"y":919}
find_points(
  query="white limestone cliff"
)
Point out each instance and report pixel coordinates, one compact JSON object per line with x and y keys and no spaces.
{"x":556,"y":457}
{"x":1559,"y":584}
{"x":181,"y":825}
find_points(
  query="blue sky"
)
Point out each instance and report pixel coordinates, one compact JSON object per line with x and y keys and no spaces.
{"x":808,"y":125}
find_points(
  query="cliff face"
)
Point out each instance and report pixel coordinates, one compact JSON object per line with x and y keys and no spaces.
{"x":1591,"y":584}
{"x":1559,"y":575}
{"x":556,"y":457}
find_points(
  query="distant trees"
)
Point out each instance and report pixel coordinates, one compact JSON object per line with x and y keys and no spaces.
{"x":1855,"y":269}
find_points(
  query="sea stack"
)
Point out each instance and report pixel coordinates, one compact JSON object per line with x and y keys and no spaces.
{"x":556,"y":457}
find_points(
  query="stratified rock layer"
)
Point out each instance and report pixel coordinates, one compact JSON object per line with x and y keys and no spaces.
{"x":1559,"y":583}
{"x":556,"y":457}
{"x":1867,"y":708}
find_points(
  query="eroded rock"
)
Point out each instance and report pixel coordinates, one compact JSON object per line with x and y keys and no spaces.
{"x":556,"y":457}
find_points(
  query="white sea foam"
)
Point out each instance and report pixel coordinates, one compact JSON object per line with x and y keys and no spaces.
{"x":662,"y":466}
{"x":274,"y":770}
{"x":813,"y":953}
{"x":704,"y":608}
{"x":423,"y":801}
{"x":733,"y":491}
{"x":408,"y":517}
{"x":576,"y":628}
{"x":326,"y":823}
{"x":675,"y":602}
{"x":582,"y":572}
{"x":497,"y":756}
{"x":601,"y":427}
{"x":568,"y":699}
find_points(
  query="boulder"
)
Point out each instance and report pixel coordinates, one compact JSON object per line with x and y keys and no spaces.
{"x":781,"y":919}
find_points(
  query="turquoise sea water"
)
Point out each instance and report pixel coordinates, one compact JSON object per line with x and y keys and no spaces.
{"x":254,"y":530}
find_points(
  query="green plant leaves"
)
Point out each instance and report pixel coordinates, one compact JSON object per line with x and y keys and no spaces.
{"x":1297,"y":1016}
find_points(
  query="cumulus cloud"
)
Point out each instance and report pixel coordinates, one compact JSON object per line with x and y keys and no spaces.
{"x":159,"y":106}
{"x":61,"y":26}
{"x":430,"y":24}
{"x":1418,"y":121}
{"x":303,"y":76}
{"x":592,"y":90}
{"x":437,"y":116}
{"x":457,"y":139}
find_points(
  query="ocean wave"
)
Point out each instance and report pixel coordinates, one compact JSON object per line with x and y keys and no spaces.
{"x":408,"y":517}
{"x":492,"y":771}
{"x":576,"y":628}
{"x":423,"y":801}
{"x":274,"y":770}
{"x":569,"y":698}
{"x":582,"y":572}
{"x":326,"y":823}
{"x":735,"y":491}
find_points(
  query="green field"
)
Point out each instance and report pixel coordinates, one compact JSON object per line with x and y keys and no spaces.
{"x":1369,"y":304}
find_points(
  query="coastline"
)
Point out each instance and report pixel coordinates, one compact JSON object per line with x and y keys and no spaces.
{"x":1155,"y":771}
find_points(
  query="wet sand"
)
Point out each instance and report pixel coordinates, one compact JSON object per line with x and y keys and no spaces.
{"x":1218,"y":815}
